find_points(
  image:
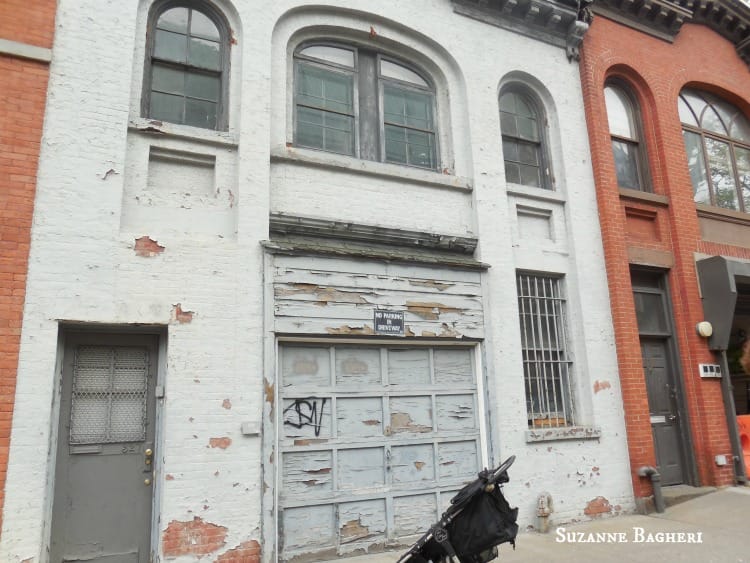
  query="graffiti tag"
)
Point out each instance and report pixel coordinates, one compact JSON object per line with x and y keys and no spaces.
{"x":304,"y":412}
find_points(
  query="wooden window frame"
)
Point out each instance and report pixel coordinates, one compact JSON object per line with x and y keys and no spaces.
{"x":218,"y":18}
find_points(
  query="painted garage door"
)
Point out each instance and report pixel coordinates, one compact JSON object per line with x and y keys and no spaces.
{"x":374,"y":441}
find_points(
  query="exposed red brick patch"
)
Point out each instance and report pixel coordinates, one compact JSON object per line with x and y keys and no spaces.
{"x":169,"y":477}
{"x":222,"y":443}
{"x":601,"y":386}
{"x":246,"y":552}
{"x":180,"y":316}
{"x":597,"y":506}
{"x":194,"y":537}
{"x":227,"y":404}
{"x":147,"y":247}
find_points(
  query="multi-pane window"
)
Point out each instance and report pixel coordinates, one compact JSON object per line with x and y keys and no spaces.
{"x":717,"y":141}
{"x":186,"y":65}
{"x":520,"y":122}
{"x":544,"y":345}
{"x":624,"y":130}
{"x":360,"y":103}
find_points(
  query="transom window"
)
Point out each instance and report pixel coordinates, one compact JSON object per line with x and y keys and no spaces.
{"x":624,"y":129}
{"x":544,"y":345}
{"x":186,"y":67}
{"x":523,"y":150}
{"x":361,"y":103}
{"x":717,"y":142}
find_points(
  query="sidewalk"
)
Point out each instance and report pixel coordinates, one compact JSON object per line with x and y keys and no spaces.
{"x":721,"y":518}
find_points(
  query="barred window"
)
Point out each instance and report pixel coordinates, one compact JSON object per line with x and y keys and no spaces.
{"x":546,"y":361}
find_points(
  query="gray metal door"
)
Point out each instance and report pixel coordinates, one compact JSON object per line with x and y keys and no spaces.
{"x":104,"y":471}
{"x":665,"y":422}
{"x":663,"y":379}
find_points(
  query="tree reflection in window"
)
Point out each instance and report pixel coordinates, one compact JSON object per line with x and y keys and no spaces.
{"x":717,"y":143}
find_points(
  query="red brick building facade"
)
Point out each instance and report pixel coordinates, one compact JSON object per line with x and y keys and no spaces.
{"x":655,"y":234}
{"x":26,"y":31}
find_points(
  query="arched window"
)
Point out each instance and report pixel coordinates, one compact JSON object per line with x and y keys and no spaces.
{"x":362,"y":103}
{"x":717,"y":142}
{"x":524,"y":151}
{"x":625,"y":132}
{"x":186,"y":65}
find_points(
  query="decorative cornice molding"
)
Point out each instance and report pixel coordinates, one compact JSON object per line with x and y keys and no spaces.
{"x":559,"y":22}
{"x":664,"y":18}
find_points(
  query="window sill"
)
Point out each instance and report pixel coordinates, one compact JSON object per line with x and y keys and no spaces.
{"x":644,"y":197}
{"x":721,"y":214}
{"x":566,"y":433}
{"x":540,"y":194}
{"x":332,"y":161}
{"x":175,"y":131}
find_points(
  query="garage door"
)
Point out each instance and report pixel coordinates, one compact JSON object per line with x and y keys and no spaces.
{"x":374,"y":441}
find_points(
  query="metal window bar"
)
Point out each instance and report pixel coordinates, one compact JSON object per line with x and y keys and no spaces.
{"x":108,"y":395}
{"x":544,"y":347}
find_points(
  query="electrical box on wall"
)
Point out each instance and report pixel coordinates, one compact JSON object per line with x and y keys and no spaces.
{"x":709,"y":370}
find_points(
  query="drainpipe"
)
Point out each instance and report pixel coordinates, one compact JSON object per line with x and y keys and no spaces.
{"x":655,"y":476}
{"x":731,"y":413}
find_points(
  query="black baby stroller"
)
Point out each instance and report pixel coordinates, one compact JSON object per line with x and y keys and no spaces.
{"x":477,"y":521}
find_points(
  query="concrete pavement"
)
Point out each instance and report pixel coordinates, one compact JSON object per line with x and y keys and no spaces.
{"x":717,"y":524}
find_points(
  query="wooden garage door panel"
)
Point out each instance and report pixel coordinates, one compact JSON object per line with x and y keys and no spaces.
{"x":372,"y":439}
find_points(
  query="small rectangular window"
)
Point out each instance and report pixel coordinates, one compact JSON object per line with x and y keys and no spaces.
{"x":544,"y":346}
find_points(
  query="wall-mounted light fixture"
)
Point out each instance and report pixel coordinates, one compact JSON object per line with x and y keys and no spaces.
{"x":704,"y":329}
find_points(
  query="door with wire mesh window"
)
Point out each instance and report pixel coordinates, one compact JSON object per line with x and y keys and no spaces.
{"x":104,"y":469}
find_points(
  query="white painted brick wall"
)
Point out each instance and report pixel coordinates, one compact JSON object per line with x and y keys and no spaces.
{"x":83,"y":267}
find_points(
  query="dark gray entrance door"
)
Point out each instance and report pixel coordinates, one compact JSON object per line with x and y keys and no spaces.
{"x":104,"y":470}
{"x":663,"y":382}
{"x":665,"y":423}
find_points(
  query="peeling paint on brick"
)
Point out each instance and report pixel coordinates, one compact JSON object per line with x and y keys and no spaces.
{"x":347,"y":329}
{"x":601,"y":386}
{"x":169,"y":477}
{"x":147,"y":247}
{"x":597,"y":507}
{"x":246,"y":552}
{"x":192,"y":537}
{"x":221,"y":443}
{"x":268,"y":389}
{"x":180,"y":316}
{"x":227,"y":404}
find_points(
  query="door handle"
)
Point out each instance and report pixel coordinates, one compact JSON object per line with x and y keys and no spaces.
{"x":672,"y":417}
{"x":148,"y":454}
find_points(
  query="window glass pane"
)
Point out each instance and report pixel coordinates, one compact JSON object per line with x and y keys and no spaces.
{"x":740,"y":128}
{"x":421,"y":149}
{"x":527,"y":128}
{"x":404,"y":107}
{"x":512,"y":172}
{"x":722,"y":176}
{"x":202,"y":26}
{"x":395,"y":144}
{"x":528,"y":154}
{"x":167,"y":107}
{"x":686,"y":114}
{"x":510,"y":149}
{"x":695,"y":101}
{"x":626,"y":164}
{"x":724,"y":110}
{"x":508,"y":124}
{"x":202,"y":86}
{"x":324,"y":130}
{"x":324,"y":89}
{"x":170,"y":46}
{"x":530,"y":175}
{"x":204,"y":54}
{"x":200,"y":113}
{"x":175,"y":19}
{"x":168,"y":80}
{"x":393,"y":70}
{"x":649,"y":310}
{"x":697,"y":166}
{"x":711,"y":121}
{"x":743,"y":170}
{"x":336,"y":55}
{"x":619,"y":113}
